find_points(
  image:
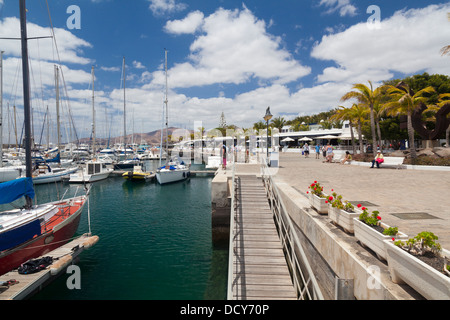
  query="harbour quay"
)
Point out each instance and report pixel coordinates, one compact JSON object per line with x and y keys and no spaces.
{"x":412,"y":199}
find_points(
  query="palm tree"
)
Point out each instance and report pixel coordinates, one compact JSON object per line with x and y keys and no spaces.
{"x":369,"y":97}
{"x":406,"y":102}
{"x":346,"y":114}
{"x":444,"y":99}
{"x":359,"y":113}
{"x":278,"y":123}
{"x":260,"y":125}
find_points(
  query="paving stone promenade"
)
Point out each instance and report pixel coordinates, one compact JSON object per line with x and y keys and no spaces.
{"x":412,"y":200}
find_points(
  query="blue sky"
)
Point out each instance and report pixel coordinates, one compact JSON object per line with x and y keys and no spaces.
{"x":237,"y":57}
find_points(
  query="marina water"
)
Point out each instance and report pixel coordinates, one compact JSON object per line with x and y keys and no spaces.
{"x":155,"y":242}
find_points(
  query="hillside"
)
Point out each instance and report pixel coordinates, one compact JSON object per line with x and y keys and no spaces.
{"x":151,"y":138}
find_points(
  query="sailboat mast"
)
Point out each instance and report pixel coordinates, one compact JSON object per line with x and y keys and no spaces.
{"x":93,"y":112}
{"x":57,"y":107}
{"x":124,"y":112}
{"x":1,"y":108}
{"x":26,"y":93}
{"x":166,"y":101}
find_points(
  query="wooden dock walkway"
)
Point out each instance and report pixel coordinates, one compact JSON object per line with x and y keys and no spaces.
{"x":259,"y":266}
{"x":28,"y":284}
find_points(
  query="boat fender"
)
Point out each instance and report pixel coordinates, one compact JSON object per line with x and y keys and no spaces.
{"x":60,"y":264}
{"x":90,"y":242}
{"x":184,"y":174}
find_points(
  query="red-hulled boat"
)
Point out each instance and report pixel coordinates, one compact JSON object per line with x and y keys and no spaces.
{"x":30,"y":233}
{"x":33,"y":230}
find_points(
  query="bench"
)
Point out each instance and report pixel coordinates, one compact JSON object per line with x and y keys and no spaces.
{"x":393,"y":162}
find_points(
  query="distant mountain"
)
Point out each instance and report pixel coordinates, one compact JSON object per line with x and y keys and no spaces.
{"x":151,"y":138}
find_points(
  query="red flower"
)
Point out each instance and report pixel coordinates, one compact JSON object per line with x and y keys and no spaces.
{"x":359,"y":205}
{"x":363,"y":208}
{"x":393,"y":239}
{"x":307,"y":192}
{"x":315,"y":181}
{"x":332,"y":189}
{"x":326,"y":201}
{"x":330,"y":198}
{"x":378,"y":217}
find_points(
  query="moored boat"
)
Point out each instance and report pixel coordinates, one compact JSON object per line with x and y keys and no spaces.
{"x":137,"y":174}
{"x":92,"y":172}
{"x":173,"y":171}
{"x":34,"y":231}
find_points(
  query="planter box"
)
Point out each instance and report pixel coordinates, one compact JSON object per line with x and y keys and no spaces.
{"x":372,"y":239}
{"x":318,"y":203}
{"x":405,"y":268}
{"x":343,"y":218}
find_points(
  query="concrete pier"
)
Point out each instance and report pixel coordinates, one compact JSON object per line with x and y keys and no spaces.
{"x":413,"y":200}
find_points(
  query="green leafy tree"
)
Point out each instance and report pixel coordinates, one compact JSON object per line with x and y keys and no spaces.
{"x":278,"y":123}
{"x":404,"y":102}
{"x":369,"y":97}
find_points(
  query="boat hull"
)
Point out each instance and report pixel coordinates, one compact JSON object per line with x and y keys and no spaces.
{"x":40,"y":245}
{"x":88,"y":178}
{"x":169,"y":176}
{"x":136,"y":176}
{"x":53,"y":177}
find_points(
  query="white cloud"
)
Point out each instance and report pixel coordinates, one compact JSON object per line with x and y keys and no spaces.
{"x":188,"y":25}
{"x":343,"y":6}
{"x":408,"y":42}
{"x":69,"y":46}
{"x":159,"y":7}
{"x":138,"y":65}
{"x":110,"y":69}
{"x":233,"y":47}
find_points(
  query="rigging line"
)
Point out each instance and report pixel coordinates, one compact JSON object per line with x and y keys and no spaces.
{"x":68,"y":103}
{"x":53,"y":31}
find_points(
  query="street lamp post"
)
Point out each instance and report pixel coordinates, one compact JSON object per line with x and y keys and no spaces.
{"x":267,"y":117}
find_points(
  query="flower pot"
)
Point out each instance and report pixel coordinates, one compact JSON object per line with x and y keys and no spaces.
{"x":318,"y":203}
{"x":374,"y":240}
{"x":405,"y":268}
{"x":343,"y":218}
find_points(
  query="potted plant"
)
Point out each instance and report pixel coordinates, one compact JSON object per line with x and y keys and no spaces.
{"x":372,"y":233}
{"x":421,"y":263}
{"x":317,"y":198}
{"x":342,"y":213}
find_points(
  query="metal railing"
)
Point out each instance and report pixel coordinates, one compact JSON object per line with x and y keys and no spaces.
{"x":302,"y":274}
{"x":231,"y":247}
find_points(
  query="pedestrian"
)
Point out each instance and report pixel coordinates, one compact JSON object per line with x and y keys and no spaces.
{"x":224,"y":157}
{"x":348,"y":158}
{"x":378,"y":159}
{"x":306,"y":150}
{"x":317,"y":151}
{"x":329,"y":153}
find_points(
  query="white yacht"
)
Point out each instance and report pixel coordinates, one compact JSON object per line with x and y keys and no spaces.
{"x":92,"y":171}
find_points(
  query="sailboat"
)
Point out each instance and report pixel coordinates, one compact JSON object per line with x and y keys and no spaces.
{"x":44,"y":173}
{"x":94,"y":170}
{"x":126,"y":162}
{"x":11,"y":172}
{"x":33,"y":230}
{"x":175,"y":169}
